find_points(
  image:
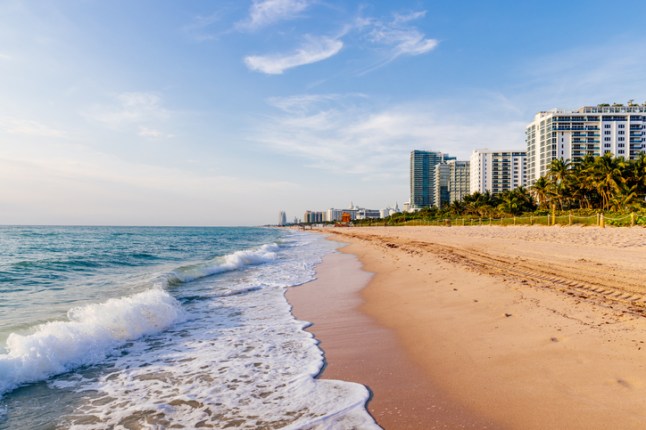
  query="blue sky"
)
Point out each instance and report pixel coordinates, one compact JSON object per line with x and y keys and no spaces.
{"x":156,"y":112}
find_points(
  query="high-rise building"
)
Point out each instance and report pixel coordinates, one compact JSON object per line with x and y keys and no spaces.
{"x":282,"y":218}
{"x":590,"y":130}
{"x":441,"y":186}
{"x":459,"y":179}
{"x":422,"y":177}
{"x":497,"y":171}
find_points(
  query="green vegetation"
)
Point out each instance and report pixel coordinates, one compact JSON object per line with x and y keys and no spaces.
{"x":605,"y":183}
{"x":569,"y":193}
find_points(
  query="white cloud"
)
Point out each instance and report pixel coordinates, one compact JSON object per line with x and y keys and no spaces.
{"x":28,"y":127}
{"x":152,"y":133}
{"x":405,"y":18}
{"x":315,"y":49}
{"x":375,"y":142}
{"x":198,"y":29}
{"x":139,"y":112}
{"x":301,"y":104}
{"x":266,"y":12}
{"x":403,"y":39}
{"x":129,"y":108}
{"x":559,"y":80}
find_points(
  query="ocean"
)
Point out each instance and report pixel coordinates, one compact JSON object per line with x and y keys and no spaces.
{"x":163,"y":327}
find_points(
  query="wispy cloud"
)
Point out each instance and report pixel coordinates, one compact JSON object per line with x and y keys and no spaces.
{"x":374,"y":142}
{"x":398,"y":35}
{"x":198,"y":28}
{"x":403,"y":18}
{"x":267,"y":12}
{"x":136,"y":111}
{"x":28,"y":127}
{"x":558,"y":80}
{"x":314,"y":49}
{"x":151,"y":133}
{"x":304,"y":103}
{"x":129,"y":108}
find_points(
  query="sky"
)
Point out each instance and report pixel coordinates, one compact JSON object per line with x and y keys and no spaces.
{"x":225,"y":112}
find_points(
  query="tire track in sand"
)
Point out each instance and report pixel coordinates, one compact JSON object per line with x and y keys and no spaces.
{"x":591,"y":281}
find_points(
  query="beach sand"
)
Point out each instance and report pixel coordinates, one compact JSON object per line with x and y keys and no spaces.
{"x":488,"y":327}
{"x":358,"y":349}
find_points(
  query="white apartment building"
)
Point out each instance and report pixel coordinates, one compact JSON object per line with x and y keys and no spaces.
{"x":594,"y":130}
{"x":497,"y":171}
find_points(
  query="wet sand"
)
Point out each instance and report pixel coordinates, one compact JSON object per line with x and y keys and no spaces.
{"x":360,"y":350}
{"x":488,"y":327}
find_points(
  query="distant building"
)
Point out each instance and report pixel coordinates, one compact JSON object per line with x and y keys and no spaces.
{"x":422,"y":177}
{"x":311,"y":217}
{"x":497,"y":171}
{"x":356,"y":213}
{"x":441,"y":186}
{"x":336,"y":215}
{"x":590,"y":130}
{"x":459,"y":179}
{"x":383,"y":213}
{"x":282,"y":218}
{"x":368,"y":213}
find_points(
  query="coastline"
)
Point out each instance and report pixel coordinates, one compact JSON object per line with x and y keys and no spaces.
{"x":358,"y":349}
{"x":524,"y":327}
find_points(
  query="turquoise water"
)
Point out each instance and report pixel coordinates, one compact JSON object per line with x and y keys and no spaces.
{"x":153,"y":327}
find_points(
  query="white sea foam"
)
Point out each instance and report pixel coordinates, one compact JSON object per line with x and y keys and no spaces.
{"x":87,"y":337}
{"x":239,"y":361}
{"x":227,"y":263}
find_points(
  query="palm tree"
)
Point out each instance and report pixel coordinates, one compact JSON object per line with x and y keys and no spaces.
{"x":636,"y":174}
{"x":559,"y":169}
{"x":559,"y":173}
{"x":516,"y":201}
{"x":606,"y":174}
{"x":541,"y":191}
{"x":623,"y":198}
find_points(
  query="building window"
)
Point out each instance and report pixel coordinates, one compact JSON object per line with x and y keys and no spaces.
{"x":606,"y":126}
{"x":606,"y":139}
{"x":621,"y":151}
{"x":621,"y":125}
{"x":621,"y":132}
{"x":621,"y":139}
{"x":606,"y":132}
{"x":621,"y":145}
{"x":606,"y":145}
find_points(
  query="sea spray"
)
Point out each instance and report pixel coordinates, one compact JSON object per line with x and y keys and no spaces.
{"x":213,"y":343}
{"x":227,"y":263}
{"x":87,"y":337}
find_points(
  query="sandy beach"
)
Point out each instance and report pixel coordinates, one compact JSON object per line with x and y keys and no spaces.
{"x":487,"y":327}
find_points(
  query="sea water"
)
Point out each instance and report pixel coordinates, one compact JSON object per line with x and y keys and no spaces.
{"x":154,"y":328}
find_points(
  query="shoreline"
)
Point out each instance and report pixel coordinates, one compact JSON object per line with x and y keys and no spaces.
{"x":524,"y":327}
{"x":358,"y":349}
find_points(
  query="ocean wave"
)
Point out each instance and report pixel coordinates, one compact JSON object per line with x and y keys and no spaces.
{"x":237,"y":260}
{"x":89,"y":335}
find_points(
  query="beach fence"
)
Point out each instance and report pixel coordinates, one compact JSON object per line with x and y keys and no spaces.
{"x":553,"y":218}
